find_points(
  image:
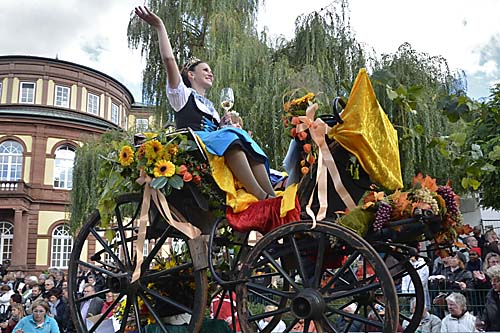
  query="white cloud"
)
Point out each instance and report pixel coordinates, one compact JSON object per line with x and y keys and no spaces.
{"x":94,"y":32}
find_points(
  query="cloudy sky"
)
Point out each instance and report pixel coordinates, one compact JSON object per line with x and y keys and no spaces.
{"x":93,"y":32}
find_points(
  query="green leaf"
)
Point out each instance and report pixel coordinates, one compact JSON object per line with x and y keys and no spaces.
{"x":391,"y":93}
{"x":488,"y":168}
{"x":495,"y":153}
{"x":459,"y":138}
{"x":158,"y":183}
{"x":474,"y":183}
{"x":419,"y":129}
{"x":176,"y":182}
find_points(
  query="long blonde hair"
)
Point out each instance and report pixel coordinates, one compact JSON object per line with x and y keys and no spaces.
{"x":19,"y":308}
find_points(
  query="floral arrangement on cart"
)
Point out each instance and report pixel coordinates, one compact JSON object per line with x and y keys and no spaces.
{"x":426,"y":211}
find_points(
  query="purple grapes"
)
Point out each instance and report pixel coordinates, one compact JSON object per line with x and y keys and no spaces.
{"x":448,"y":195}
{"x":382,"y":215}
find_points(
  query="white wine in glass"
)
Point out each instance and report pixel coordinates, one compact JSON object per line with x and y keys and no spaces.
{"x":226,"y":99}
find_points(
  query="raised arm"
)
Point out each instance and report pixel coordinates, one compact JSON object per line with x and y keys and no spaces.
{"x":167,"y":55}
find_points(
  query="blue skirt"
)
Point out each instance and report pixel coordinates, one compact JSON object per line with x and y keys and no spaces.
{"x":218,"y":142}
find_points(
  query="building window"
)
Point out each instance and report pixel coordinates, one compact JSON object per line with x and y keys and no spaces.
{"x":93,"y":104}
{"x":115,"y":114}
{"x":27,"y":92}
{"x":63,"y":167}
{"x":6,"y":237}
{"x":141,"y":125}
{"x":11,"y":161}
{"x":62,"y":242}
{"x":62,"y":96}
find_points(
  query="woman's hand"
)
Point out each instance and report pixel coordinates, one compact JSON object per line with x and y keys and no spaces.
{"x":478,"y":275}
{"x":149,"y":17}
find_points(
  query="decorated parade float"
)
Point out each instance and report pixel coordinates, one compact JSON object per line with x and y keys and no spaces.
{"x":177,"y":240}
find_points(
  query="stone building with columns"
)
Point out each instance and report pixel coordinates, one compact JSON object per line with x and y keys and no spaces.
{"x":47,"y":108}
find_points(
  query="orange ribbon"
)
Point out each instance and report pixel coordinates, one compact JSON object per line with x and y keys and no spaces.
{"x":326,"y":164}
{"x":161,"y":202}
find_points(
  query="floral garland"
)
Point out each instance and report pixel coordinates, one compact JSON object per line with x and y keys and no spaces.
{"x":293,"y":109}
{"x":439,"y":203}
{"x":169,"y":159}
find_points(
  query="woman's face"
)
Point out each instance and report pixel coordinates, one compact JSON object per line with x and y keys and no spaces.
{"x":52,"y":299}
{"x":454,"y":308}
{"x":39,"y":313}
{"x":201,"y":76}
{"x":15,"y":311}
{"x":453,"y":262}
{"x":492,"y":261}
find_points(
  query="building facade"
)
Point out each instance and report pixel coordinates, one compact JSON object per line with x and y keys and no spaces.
{"x":48,"y":107}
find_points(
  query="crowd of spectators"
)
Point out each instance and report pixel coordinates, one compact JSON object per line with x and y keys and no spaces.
{"x":20,"y":294}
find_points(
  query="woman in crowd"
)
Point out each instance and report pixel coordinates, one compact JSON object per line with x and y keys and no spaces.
{"x":428,"y":324}
{"x":186,"y":93}
{"x":39,"y":321}
{"x":17,"y":312}
{"x":59,"y":309}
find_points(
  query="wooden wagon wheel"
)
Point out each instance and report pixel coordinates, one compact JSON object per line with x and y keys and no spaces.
{"x":159,"y":293}
{"x":316,"y":276}
{"x":397,"y":259}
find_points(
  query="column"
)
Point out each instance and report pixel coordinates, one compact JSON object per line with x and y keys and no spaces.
{"x":19,"y":259}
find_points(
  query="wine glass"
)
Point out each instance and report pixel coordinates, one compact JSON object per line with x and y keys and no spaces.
{"x":226,"y":98}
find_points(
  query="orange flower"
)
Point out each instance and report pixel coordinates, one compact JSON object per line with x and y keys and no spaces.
{"x":304,"y":170}
{"x":311,"y":159}
{"x":295,"y":121}
{"x":307,"y":148}
{"x":181,"y":169}
{"x":426,"y":182}
{"x":197,"y":179}
{"x":302,"y":136}
{"x":187,"y":177}
{"x":293,"y":132}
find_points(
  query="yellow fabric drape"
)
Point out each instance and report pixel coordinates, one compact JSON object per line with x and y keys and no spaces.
{"x":369,"y":135}
{"x":236,"y":197}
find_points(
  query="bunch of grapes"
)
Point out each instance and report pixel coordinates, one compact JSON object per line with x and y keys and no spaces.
{"x":424,"y":195}
{"x":382,"y":215}
{"x":448,"y":195}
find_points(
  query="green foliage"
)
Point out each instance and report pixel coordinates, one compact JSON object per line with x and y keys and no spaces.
{"x":87,"y":172}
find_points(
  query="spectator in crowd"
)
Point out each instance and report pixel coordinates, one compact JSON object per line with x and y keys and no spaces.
{"x":459,"y":319}
{"x":5,"y":293}
{"x":423,"y":271}
{"x":59,"y":279}
{"x":59,"y":309}
{"x":279,"y":328}
{"x":110,"y":298}
{"x":29,"y":282}
{"x":299,"y":327}
{"x":440,"y":263}
{"x":93,"y":282}
{"x":49,"y":284}
{"x":477,"y":233}
{"x":225,"y":311}
{"x":16,"y":314}
{"x":345,"y":323}
{"x":10,"y":279}
{"x":18,"y":282}
{"x":428,"y":324}
{"x":37,"y":321}
{"x":36,"y":295}
{"x":4,"y":267}
{"x":491,"y":314}
{"x":41,"y":281}
{"x":475,"y":262}
{"x":491,"y":242}
{"x":93,"y":305}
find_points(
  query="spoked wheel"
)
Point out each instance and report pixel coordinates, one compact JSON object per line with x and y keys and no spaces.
{"x":327,"y":276}
{"x":227,"y":248}
{"x":168,"y":290}
{"x":397,"y":260}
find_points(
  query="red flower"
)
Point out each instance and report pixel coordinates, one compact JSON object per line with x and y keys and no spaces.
{"x":197,"y":179}
{"x":187,"y":177}
{"x":307,"y":148}
{"x":293,"y":132}
{"x":295,"y":121}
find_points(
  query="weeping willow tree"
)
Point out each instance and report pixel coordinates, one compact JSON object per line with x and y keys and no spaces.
{"x":409,"y":86}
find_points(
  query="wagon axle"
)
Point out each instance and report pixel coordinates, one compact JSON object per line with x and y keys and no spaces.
{"x":308,"y":304}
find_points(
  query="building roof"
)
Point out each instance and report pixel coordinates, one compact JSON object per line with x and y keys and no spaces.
{"x":28,"y":57}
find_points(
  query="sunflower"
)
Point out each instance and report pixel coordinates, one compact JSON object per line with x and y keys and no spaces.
{"x":153,"y":149}
{"x":126,"y":156}
{"x":172,"y":149}
{"x":164,"y":168}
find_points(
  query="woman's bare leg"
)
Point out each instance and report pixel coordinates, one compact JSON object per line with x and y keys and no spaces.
{"x":237,"y":161}
{"x":262,"y":177}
